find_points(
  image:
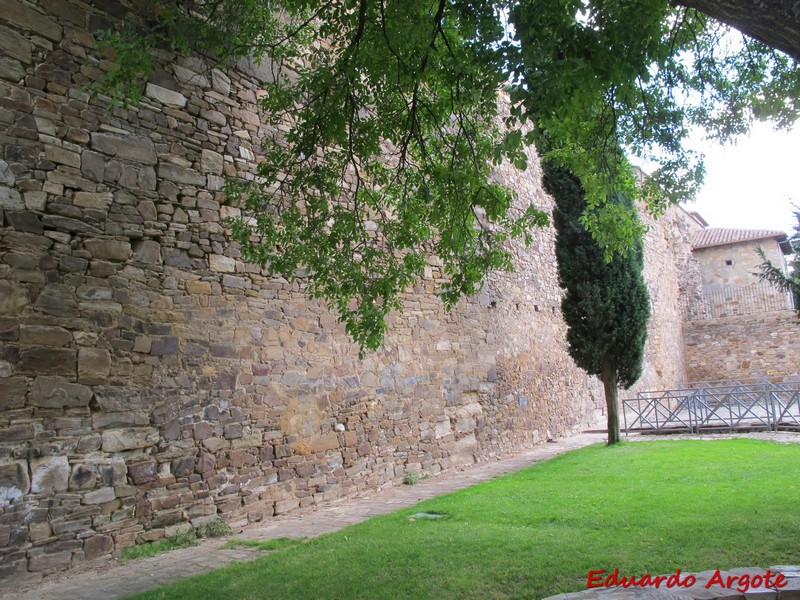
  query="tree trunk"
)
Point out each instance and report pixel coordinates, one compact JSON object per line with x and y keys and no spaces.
{"x":610,"y":378}
{"x":774,"y":22}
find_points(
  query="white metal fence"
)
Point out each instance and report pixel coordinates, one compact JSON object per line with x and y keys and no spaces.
{"x":770,"y":405}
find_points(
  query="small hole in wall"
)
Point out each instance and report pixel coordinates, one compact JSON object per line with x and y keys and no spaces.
{"x":554,"y":309}
{"x":535,"y":308}
{"x":729,"y":262}
{"x":517,"y":305}
{"x":493,"y":304}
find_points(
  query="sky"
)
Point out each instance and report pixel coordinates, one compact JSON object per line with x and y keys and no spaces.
{"x":753,"y":184}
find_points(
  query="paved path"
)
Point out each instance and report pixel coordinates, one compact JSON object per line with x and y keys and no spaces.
{"x":107,"y":580}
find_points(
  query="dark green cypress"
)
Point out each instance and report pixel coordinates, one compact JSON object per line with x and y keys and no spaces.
{"x":606,"y":305}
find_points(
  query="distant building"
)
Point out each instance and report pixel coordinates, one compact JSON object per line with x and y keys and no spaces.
{"x":729,"y":260}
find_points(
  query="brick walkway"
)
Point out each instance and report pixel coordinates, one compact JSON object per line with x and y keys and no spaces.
{"x":107,"y":580}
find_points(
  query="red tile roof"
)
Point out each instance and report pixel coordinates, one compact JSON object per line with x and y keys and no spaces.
{"x":717,"y":236}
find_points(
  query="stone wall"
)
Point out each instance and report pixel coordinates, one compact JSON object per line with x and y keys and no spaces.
{"x":742,"y":327}
{"x":672,"y":275}
{"x":742,"y":347}
{"x":150,"y":380}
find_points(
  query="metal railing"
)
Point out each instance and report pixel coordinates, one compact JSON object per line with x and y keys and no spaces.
{"x":753,"y":404}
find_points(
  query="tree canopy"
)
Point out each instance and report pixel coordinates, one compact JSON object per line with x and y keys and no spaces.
{"x":390,"y":122}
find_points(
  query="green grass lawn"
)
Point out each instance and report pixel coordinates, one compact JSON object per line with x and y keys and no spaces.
{"x":649,"y":507}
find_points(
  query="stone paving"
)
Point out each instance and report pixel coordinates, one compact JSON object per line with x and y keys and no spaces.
{"x":108,"y":580}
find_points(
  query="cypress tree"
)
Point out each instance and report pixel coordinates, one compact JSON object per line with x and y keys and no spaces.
{"x":606,"y":304}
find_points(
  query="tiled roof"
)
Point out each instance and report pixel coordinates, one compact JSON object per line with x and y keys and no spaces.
{"x":717,"y":236}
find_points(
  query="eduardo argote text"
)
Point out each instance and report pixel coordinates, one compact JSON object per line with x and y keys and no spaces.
{"x":741,"y":583}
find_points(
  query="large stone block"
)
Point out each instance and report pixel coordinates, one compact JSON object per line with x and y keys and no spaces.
{"x":99,"y":496}
{"x":94,"y":365}
{"x":25,"y":221}
{"x":49,"y":474}
{"x":98,"y":545}
{"x":14,"y":481}
{"x":93,"y":165}
{"x":113,"y":250}
{"x":65,"y":9}
{"x":175,"y":257}
{"x":9,"y":328}
{"x":7,"y":176}
{"x":221,"y":264}
{"x":164,"y":345}
{"x":62,"y":156}
{"x":285,"y":506}
{"x":13,"y":298}
{"x":122,"y":398}
{"x":47,"y":361}
{"x":165,"y":96}
{"x":44,"y":335}
{"x":27,"y":242}
{"x":135,"y":148}
{"x":143,"y":472}
{"x":70,"y":225}
{"x":205,"y":463}
{"x":57,"y":300}
{"x":83,"y":477}
{"x":95,"y":200}
{"x":119,"y":419}
{"x":16,"y":433}
{"x":181,"y":175}
{"x":181,"y":467}
{"x":113,"y":472}
{"x":56,"y":392}
{"x":129,"y":438}
{"x":39,"y":531}
{"x":26,"y":17}
{"x":110,"y":472}
{"x":15,"y":46}
{"x":11,"y":70}
{"x":148,"y":252}
{"x":6,"y":368}
{"x":10,"y":199}
{"x":57,"y":561}
{"x":35,"y":201}
{"x":13,"y":391}
{"x":322,"y":443}
{"x":211,"y":162}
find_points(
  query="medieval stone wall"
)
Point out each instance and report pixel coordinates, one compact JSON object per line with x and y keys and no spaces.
{"x":742,"y":347}
{"x":672,"y":276}
{"x":151,"y":380}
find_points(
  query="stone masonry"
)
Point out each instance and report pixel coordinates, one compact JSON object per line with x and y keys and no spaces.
{"x":150,"y":380}
{"x":738,"y":327}
{"x":743,"y":347}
